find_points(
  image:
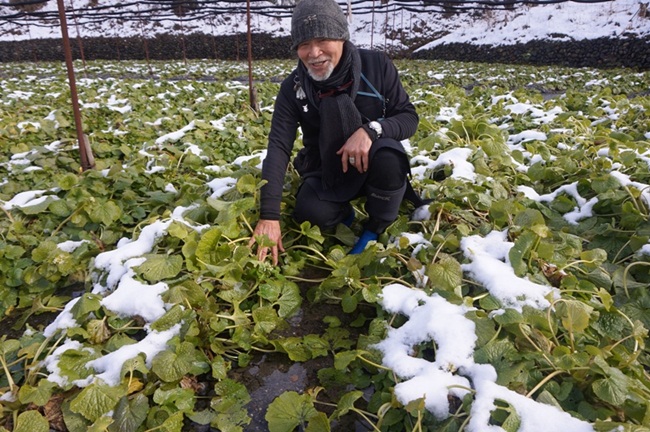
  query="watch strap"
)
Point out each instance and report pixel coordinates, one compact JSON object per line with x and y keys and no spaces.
{"x":371,"y":132}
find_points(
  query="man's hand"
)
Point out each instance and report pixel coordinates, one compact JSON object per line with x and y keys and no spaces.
{"x":270,"y":229}
{"x":356,"y":147}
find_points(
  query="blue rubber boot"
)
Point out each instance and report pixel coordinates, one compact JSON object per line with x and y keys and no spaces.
{"x":366,"y":236}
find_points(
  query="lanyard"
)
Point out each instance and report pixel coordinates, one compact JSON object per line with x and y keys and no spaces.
{"x":374,"y":93}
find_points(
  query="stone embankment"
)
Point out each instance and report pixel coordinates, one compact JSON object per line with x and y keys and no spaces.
{"x":599,"y":53}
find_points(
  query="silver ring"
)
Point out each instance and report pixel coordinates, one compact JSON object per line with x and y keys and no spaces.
{"x":352,"y":160}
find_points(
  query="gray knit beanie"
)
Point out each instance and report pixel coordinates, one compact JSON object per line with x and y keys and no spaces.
{"x":318,"y":19}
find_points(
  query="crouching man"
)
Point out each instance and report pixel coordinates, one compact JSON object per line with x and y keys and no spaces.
{"x":353,"y":112}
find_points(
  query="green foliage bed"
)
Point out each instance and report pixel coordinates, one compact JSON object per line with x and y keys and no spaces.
{"x":170,"y":136}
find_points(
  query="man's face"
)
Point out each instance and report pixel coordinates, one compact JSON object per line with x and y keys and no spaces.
{"x":320,"y":56}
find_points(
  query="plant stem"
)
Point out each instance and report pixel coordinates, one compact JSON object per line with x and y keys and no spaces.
{"x":361,"y":413}
{"x":65,"y":221}
{"x":253,"y":347}
{"x":544,"y":381}
{"x":248,"y":225}
{"x":299,"y":279}
{"x":538,"y":348}
{"x":627,"y":269}
{"x":388,"y":278}
{"x":636,"y":342}
{"x":323,"y":257}
{"x":479,"y":297}
{"x":550,"y":323}
{"x":10,"y":379}
{"x":370,"y":362}
{"x":11,"y":219}
{"x":575,"y":263}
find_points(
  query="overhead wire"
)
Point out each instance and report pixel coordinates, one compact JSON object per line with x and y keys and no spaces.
{"x":21,"y":13}
{"x":278,"y":10}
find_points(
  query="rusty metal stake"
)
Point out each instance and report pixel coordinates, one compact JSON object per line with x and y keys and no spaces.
{"x":85,"y":152}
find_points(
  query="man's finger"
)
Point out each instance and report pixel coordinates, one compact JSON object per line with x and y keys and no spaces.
{"x":261,"y":254}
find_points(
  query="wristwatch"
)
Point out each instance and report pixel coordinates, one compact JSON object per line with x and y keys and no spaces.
{"x":374,"y":128}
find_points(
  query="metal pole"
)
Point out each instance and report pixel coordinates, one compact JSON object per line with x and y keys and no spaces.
{"x":85,"y":153}
{"x":372,"y":25}
{"x":252,"y":93}
{"x":79,"y":41}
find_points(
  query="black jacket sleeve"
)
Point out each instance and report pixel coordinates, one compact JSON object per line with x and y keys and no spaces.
{"x":282,"y":136}
{"x":400,"y":120}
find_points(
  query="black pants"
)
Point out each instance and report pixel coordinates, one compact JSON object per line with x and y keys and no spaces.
{"x":384,"y":189}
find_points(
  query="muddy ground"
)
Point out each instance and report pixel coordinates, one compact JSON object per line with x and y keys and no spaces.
{"x":266,"y":377}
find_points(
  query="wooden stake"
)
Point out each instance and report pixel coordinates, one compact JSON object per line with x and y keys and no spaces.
{"x":85,"y":153}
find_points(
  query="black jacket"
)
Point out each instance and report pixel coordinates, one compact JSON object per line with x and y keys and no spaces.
{"x":398,"y":119}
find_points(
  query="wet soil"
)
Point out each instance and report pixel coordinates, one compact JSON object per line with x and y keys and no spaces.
{"x":13,"y":325}
{"x":266,"y":377}
{"x":270,"y":375}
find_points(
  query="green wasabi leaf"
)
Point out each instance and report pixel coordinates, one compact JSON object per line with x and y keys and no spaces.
{"x":290,"y":300}
{"x":446,"y":273}
{"x":266,"y":319}
{"x":105,"y":213}
{"x":31,"y":421}
{"x":288,"y":411}
{"x":343,"y":359}
{"x":231,"y":396}
{"x":246,"y":184}
{"x":74,"y":363}
{"x":101,"y":424}
{"x":312,"y":232}
{"x":174,"y":423}
{"x":346,"y":403}
{"x":295,"y":348}
{"x":172,"y":317}
{"x":317,"y":346}
{"x":8,"y":346}
{"x":520,"y":251}
{"x":43,"y":251}
{"x":96,"y":400}
{"x":38,"y":395}
{"x":98,"y":331}
{"x":73,"y":421}
{"x":349,"y":303}
{"x":230,"y":406}
{"x":204,"y":417}
{"x":575,"y":315}
{"x":207,"y":248}
{"x":512,"y":422}
{"x":613,"y":389}
{"x":318,"y":423}
{"x":67,"y":181}
{"x":159,"y":267}
{"x":86,"y":304}
{"x":176,"y":398}
{"x":171,"y":366}
{"x":594,"y":257}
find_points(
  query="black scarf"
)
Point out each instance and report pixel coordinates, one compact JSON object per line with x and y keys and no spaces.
{"x":339,"y":117}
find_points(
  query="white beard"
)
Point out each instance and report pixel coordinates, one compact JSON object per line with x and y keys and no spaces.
{"x":323,"y":76}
